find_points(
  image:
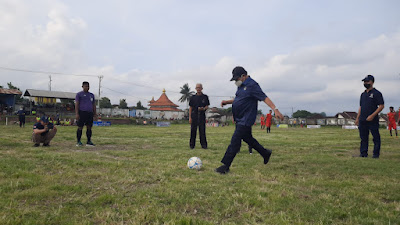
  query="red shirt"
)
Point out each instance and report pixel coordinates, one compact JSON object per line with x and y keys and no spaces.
{"x":391,"y":117}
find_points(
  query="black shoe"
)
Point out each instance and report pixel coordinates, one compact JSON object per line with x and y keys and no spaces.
{"x":375,"y":156}
{"x":191,"y":147}
{"x":266,"y":158}
{"x":46,"y":145}
{"x":363,"y":156}
{"x":36,"y":145}
{"x":204,"y":147}
{"x":222,"y":169}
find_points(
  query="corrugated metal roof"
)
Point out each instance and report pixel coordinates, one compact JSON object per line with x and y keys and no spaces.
{"x":10,"y":91}
{"x":51,"y":94}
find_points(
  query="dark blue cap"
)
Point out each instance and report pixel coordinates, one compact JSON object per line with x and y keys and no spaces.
{"x":238,"y":72}
{"x":368,"y":78}
{"x":45,"y":119}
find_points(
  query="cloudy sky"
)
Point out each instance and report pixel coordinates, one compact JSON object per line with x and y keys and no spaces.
{"x":307,"y":55}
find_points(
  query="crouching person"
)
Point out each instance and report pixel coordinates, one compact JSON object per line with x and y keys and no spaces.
{"x":43,"y":132}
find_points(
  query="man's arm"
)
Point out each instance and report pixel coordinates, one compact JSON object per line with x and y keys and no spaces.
{"x":273,"y":107}
{"x":76,"y":110}
{"x":226,"y":102}
{"x":190,"y":114}
{"x":37,"y":131}
{"x":94,"y":110}
{"x":358,"y":116}
{"x":377,"y":111}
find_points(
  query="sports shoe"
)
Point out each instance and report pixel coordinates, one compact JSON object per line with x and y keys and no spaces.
{"x":36,"y":145}
{"x":222,"y":169}
{"x":78,"y":144}
{"x":375,"y":156}
{"x":266,"y":158}
{"x":46,"y":145}
{"x":89,"y":143}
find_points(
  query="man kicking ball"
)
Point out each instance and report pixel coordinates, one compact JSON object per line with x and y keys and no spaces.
{"x":392,"y":121}
{"x":244,"y":109}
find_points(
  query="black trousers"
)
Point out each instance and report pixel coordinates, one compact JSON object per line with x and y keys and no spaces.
{"x":201,"y":123}
{"x":241,"y":133}
{"x":365,"y":127}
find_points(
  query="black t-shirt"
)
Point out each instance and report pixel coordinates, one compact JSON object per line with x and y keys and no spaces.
{"x":369,"y":102}
{"x":197,"y":101}
{"x":40,"y":126}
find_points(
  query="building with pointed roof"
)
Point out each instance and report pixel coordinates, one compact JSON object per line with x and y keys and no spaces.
{"x":161,"y":109}
{"x":163,"y":104}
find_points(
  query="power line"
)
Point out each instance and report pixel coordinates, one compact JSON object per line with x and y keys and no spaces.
{"x":46,"y":72}
{"x":100,"y":77}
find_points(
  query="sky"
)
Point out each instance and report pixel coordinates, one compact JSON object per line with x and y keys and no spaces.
{"x":306,"y":55}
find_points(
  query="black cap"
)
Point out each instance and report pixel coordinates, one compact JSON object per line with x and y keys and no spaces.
{"x":44,"y":119}
{"x":368,"y":78}
{"x":238,"y":72}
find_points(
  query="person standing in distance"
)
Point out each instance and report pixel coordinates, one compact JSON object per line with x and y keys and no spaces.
{"x":197,"y":117}
{"x":392,"y":121}
{"x":21,"y":117}
{"x":371,"y":104}
{"x":268,"y":121}
{"x":244,"y":109}
{"x":85,"y":110}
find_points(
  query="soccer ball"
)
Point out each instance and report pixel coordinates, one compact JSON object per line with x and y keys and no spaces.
{"x":194,"y":163}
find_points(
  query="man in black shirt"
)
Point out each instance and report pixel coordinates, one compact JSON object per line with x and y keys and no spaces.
{"x":21,"y":117}
{"x":197,"y":117}
{"x":371,"y":104}
{"x":43,"y":132}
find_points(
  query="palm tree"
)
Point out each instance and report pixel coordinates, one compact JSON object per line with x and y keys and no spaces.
{"x":186,"y":94}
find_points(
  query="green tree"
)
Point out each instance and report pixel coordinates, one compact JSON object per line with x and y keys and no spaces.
{"x":139,"y":105}
{"x":186,"y":94}
{"x":11,"y":86}
{"x":123,"y":104}
{"x":302,"y":114}
{"x":105,"y":103}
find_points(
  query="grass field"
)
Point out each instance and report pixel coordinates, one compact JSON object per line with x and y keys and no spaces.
{"x":138,"y":175}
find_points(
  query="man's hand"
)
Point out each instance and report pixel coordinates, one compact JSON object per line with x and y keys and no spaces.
{"x":200,"y":108}
{"x":370,"y":118}
{"x":95,"y":116}
{"x":278,"y":114}
{"x":356,"y":122}
{"x":223,"y":103}
{"x":77,"y":116}
{"x":190,"y":120}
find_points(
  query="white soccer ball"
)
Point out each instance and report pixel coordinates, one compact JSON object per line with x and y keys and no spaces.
{"x":194,"y":163}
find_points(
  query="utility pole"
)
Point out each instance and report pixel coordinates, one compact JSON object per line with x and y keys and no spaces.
{"x":50,"y":83}
{"x":98,"y":100}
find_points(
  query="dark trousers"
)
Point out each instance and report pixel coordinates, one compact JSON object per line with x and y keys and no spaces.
{"x":202,"y":132}
{"x":365,"y":127}
{"x":45,"y":139}
{"x":241,"y":133}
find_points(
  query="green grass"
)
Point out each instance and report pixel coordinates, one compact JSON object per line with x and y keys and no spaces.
{"x":138,"y":175}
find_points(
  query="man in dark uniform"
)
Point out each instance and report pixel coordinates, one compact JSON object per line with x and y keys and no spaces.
{"x":21,"y":117}
{"x":244,"y":109}
{"x":197,"y":117}
{"x":43,"y":132}
{"x":85,"y":110}
{"x":371,"y":104}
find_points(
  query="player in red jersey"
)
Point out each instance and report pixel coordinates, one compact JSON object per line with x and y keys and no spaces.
{"x":268,"y":121}
{"x":392,"y":121}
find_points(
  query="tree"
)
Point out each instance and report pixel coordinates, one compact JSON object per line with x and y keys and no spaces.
{"x":11,"y":86}
{"x":302,"y":114}
{"x":259,"y":112}
{"x":123,"y":104}
{"x":139,"y":105}
{"x":105,"y":103}
{"x":186,"y":94}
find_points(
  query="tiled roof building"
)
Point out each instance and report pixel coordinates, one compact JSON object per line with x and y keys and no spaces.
{"x":163,"y":104}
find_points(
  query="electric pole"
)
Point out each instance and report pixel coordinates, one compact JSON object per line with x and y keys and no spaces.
{"x":50,"y":83}
{"x":98,"y":100}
